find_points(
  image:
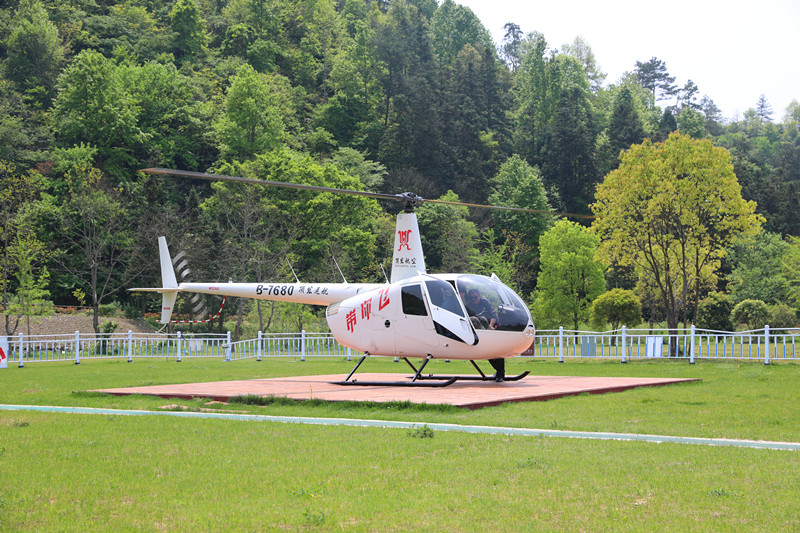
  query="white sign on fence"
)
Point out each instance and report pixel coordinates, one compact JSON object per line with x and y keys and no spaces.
{"x":4,"y":352}
{"x":654,"y":346}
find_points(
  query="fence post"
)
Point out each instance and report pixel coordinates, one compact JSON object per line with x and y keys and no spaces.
{"x":77,"y":347}
{"x":302,"y":345}
{"x":766,"y":345}
{"x":228,"y":347}
{"x":691,"y":344}
{"x":624,"y":341}
{"x":560,"y":344}
{"x":20,"y":352}
{"x":179,"y":347}
{"x":258,"y":350}
{"x":130,"y":346}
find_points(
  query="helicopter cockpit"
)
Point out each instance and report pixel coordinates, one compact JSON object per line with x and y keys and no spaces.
{"x":492,"y":305}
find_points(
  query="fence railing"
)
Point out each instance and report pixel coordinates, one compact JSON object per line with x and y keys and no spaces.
{"x":25,"y":349}
{"x":764,"y":344}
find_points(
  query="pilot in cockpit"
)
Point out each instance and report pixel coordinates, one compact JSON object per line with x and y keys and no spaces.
{"x":481,"y":308}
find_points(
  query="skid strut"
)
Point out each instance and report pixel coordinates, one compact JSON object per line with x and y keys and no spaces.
{"x":418,"y":380}
{"x":412,"y":383}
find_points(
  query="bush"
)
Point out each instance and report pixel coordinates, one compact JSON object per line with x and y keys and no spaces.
{"x":714,"y":312}
{"x":617,"y":307}
{"x":111,"y":310}
{"x":782,"y":316}
{"x":753,"y":313}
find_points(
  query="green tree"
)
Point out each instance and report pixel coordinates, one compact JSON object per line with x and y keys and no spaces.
{"x":790,"y":266}
{"x":93,"y":107}
{"x":448,"y":238}
{"x":756,"y":271}
{"x":714,"y":312}
{"x":189,"y":27}
{"x":94,"y":236}
{"x":616,"y":307}
{"x":670,"y":210}
{"x":251,"y":123}
{"x":517,"y":184}
{"x":691,"y":122}
{"x":31,"y":297}
{"x":570,"y":278}
{"x":753,"y":313}
{"x":653,"y":75}
{"x":34,"y":53}
{"x":17,"y":190}
{"x":570,"y":161}
{"x":625,"y":126}
{"x":455,"y":26}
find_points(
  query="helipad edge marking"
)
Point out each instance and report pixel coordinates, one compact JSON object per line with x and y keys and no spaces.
{"x":489,"y":430}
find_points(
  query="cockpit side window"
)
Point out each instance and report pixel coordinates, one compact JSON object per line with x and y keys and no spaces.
{"x":413,"y":304}
{"x":443,"y":295}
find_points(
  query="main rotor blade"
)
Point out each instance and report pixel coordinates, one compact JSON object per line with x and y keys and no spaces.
{"x":520,"y":209}
{"x":408,"y":198}
{"x":254,"y":181}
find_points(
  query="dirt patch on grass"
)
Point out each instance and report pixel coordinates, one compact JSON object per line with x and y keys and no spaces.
{"x":63,"y":324}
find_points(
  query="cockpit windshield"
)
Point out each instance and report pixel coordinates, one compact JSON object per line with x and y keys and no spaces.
{"x":492,"y":305}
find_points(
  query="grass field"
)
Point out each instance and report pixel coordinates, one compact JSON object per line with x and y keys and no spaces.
{"x":64,"y":472}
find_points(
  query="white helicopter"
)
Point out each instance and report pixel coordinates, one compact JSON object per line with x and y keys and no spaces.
{"x":414,"y":315}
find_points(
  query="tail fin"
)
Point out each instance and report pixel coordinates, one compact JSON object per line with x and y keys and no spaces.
{"x":168,"y":281}
{"x":407,"y":260}
{"x":169,"y":285}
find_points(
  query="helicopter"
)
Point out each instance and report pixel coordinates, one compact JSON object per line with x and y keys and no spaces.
{"x":415,"y":314}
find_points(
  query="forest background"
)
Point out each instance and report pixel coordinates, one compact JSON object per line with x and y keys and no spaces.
{"x":386,"y":96}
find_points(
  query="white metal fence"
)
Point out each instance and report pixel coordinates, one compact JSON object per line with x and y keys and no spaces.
{"x":763,"y":344}
{"x":24,"y":349}
{"x":623,"y":344}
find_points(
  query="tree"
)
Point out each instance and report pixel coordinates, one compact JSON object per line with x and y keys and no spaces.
{"x":190,"y":37}
{"x":17,"y":190}
{"x":615,"y":307}
{"x":517,"y":184}
{"x":251,"y":123}
{"x":570,"y":161}
{"x":625,"y":126}
{"x":31,"y":296}
{"x":34,"y":52}
{"x":670,"y":210}
{"x":93,"y":107}
{"x":753,"y":313}
{"x":570,"y":278}
{"x":448,"y":238}
{"x":756,"y":271}
{"x":764,"y":109}
{"x":580,"y":50}
{"x":714,"y":312}
{"x":511,"y":46}
{"x":94,"y":236}
{"x":653,"y":76}
{"x":691,"y":122}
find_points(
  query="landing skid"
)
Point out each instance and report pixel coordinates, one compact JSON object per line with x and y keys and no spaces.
{"x":482,"y":377}
{"x":431,"y":380}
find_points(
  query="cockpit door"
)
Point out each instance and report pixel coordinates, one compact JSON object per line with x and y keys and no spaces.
{"x":447,"y":312}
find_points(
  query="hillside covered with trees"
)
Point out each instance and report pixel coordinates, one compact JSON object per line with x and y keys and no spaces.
{"x":376,"y":95}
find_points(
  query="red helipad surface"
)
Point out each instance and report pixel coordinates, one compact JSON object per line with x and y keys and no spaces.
{"x":468,"y":394}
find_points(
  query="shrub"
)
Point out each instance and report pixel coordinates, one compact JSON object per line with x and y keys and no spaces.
{"x":714,"y":312}
{"x":617,"y":307}
{"x":782,"y":316}
{"x":753,"y":313}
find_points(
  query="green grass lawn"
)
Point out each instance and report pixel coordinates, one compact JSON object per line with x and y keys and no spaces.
{"x":96,"y":472}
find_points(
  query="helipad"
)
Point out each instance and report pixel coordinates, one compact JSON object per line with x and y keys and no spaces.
{"x":467,"y":394}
